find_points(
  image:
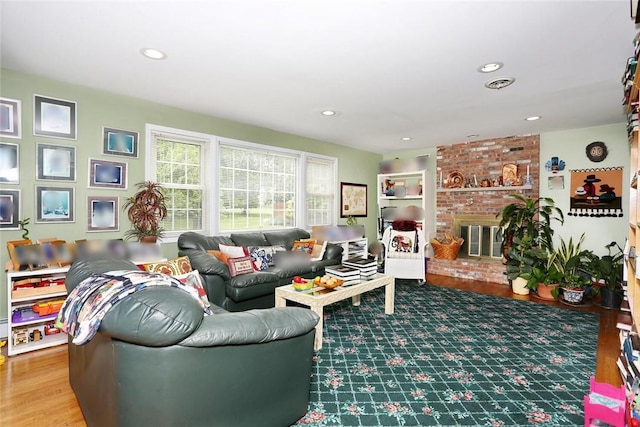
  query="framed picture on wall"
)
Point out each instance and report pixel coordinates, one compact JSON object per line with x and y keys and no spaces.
{"x":119,"y":142}
{"x":107,"y":174}
{"x":10,"y":118}
{"x":9,"y":163}
{"x":56,"y":162}
{"x":353,"y":200}
{"x":55,"y":118}
{"x":55,"y":204}
{"x":102,"y":213}
{"x":9,"y":209}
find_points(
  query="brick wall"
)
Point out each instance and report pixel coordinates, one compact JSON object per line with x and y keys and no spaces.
{"x":484,"y":159}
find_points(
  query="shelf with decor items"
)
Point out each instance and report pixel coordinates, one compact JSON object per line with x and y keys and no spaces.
{"x":484,"y":189}
{"x":403,"y":192}
{"x":34,"y":298}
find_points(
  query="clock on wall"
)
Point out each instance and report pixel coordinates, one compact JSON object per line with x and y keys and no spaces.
{"x":597,"y":151}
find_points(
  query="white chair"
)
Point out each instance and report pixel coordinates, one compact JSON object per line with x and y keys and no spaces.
{"x":404,"y":255}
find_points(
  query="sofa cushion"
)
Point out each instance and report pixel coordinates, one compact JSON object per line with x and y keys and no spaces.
{"x":172,"y":267}
{"x":220,"y":255}
{"x":252,"y":285}
{"x":240,"y":265}
{"x":305,"y":245}
{"x":193,"y":240}
{"x":233,"y":251}
{"x":285,"y":237}
{"x":263,"y":256}
{"x":249,"y":239}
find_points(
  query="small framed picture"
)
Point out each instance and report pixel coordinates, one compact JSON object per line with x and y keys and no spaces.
{"x":102,"y":213}
{"x":119,"y":142}
{"x":9,"y":209}
{"x":55,"y":118}
{"x":107,"y":174}
{"x":9,"y":163}
{"x":56,"y":162}
{"x":55,"y":204}
{"x":10,"y":118}
{"x":353,"y":200}
{"x":556,"y":182}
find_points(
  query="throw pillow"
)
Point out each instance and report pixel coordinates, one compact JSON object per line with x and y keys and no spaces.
{"x":318,"y":251}
{"x":402,"y":242}
{"x":263,"y":256}
{"x":171,"y":267}
{"x":194,"y":280}
{"x":240,"y":265}
{"x":218,"y":254}
{"x":233,"y":251}
{"x":303,"y":245}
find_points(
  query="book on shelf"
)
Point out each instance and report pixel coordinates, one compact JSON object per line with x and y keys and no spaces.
{"x":624,"y":321}
{"x":357,"y":262}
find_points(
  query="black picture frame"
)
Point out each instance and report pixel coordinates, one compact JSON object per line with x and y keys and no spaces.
{"x":107,"y":174}
{"x":102,"y":213}
{"x":353,"y":200}
{"x":55,"y":162}
{"x":54,"y":118}
{"x":9,"y":163}
{"x":9,"y":209}
{"x":10,"y":118}
{"x":118,"y":142}
{"x":55,"y":204}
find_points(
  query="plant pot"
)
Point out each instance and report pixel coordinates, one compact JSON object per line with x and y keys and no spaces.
{"x":544,"y":291}
{"x":610,"y":298}
{"x":519,"y":286}
{"x":573,"y":296}
{"x":148,"y":239}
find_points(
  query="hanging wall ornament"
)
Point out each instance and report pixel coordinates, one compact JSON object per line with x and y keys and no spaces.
{"x":597,"y":151}
{"x":596,"y":192}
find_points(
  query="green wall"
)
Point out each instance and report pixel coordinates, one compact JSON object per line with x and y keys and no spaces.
{"x":96,"y":109}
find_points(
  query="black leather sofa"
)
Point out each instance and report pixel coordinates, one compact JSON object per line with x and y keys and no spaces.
{"x":253,"y":290}
{"x":157,"y":361}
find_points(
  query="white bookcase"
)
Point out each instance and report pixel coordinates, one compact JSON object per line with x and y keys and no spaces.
{"x":24,"y":298}
{"x":353,"y":248}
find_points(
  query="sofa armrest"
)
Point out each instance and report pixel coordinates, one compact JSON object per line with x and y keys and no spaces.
{"x":333,"y":253}
{"x":206,"y":263}
{"x":252,"y":327}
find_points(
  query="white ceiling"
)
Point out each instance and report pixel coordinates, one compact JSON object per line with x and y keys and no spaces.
{"x":389,"y":68}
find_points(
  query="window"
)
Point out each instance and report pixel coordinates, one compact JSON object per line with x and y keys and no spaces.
{"x":178,"y":164}
{"x":321,"y":190}
{"x":257,"y":188}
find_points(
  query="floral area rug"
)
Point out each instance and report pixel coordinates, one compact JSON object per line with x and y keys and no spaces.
{"x":451,"y":357}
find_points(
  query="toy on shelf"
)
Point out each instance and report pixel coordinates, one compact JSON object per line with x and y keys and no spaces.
{"x":50,"y":329}
{"x":20,"y":336}
{"x":35,"y":335}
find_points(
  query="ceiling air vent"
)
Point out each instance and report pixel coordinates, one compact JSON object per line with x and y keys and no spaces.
{"x":499,"y":83}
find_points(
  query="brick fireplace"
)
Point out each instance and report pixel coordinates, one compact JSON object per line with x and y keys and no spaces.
{"x":478,"y":161}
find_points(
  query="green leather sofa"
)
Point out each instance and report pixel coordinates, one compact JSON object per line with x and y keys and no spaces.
{"x":157,"y":361}
{"x":253,"y":290}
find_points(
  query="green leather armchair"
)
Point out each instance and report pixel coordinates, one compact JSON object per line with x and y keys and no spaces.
{"x":157,"y":361}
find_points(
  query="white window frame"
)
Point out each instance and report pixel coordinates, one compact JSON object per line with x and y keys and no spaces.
{"x":207,"y":142}
{"x":300,"y":190}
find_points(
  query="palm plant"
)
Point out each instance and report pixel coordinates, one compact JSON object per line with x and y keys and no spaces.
{"x":145,"y":210}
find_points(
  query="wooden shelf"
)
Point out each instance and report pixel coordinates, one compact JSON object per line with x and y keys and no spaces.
{"x":484,"y":189}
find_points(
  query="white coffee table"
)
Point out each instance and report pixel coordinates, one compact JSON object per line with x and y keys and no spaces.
{"x":317,"y":301}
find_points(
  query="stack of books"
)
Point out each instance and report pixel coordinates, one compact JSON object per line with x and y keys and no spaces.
{"x":366,"y":266}
{"x":343,"y":272}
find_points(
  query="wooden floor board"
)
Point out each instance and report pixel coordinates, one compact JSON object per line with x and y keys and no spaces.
{"x":34,"y":387}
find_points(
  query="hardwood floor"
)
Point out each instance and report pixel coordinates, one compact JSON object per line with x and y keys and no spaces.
{"x":34,"y":388}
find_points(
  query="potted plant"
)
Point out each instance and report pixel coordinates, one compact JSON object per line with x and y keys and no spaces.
{"x":571,"y":261}
{"x":145,"y":210}
{"x":544,"y":280}
{"x":527,"y":236}
{"x":606,"y":271}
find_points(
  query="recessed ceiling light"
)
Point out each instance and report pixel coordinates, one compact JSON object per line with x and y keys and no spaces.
{"x":406,"y":138}
{"x":533,"y":118}
{"x":328,"y":113}
{"x":499,"y":83}
{"x":473,"y":135}
{"x":490,"y":67}
{"x":153,"y":53}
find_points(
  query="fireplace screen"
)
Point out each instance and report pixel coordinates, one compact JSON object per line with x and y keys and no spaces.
{"x":482,"y":237}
